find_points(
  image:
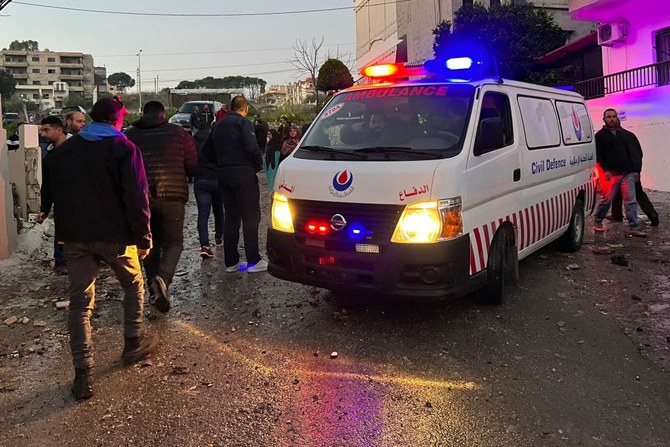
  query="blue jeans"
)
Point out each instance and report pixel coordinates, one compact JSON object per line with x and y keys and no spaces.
{"x":608,"y":189}
{"x":208,"y":197}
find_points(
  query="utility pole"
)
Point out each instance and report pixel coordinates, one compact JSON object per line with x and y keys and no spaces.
{"x":139,"y":78}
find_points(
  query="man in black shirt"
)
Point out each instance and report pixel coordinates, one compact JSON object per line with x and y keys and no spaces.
{"x":232,"y":146}
{"x":620,"y":157}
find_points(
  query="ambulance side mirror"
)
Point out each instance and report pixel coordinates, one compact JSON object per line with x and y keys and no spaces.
{"x":490,"y":136}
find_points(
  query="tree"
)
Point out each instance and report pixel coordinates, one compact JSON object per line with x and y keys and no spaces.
{"x":306,"y":60}
{"x":254,"y":85}
{"x":7,"y":84}
{"x":517,"y":34}
{"x":334,"y":75}
{"x":24,"y":45}
{"x":121,"y":80}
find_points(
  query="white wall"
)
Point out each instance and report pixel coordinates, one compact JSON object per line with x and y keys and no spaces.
{"x":7,"y":221}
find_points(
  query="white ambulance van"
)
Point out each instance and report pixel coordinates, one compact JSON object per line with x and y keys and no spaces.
{"x":432,"y":186}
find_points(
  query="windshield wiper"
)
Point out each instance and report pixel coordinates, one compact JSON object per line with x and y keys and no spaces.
{"x":333,"y":151}
{"x":397,"y":149}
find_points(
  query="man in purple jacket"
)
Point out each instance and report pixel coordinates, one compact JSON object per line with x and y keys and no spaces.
{"x":97,"y":183}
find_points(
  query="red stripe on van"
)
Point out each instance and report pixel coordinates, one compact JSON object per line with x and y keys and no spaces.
{"x":480,"y":248}
{"x":529,"y":228}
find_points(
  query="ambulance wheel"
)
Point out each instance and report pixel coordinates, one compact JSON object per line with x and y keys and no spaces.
{"x":573,"y":238}
{"x":502,"y":269}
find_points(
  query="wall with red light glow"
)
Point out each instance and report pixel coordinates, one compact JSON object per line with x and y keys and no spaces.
{"x":645,"y":112}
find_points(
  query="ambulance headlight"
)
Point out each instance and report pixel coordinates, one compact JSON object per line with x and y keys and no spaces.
{"x":426,"y":222}
{"x":282,"y":219}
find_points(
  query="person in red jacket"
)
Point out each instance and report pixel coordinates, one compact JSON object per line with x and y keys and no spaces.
{"x":221,"y":113}
{"x":169,"y":158}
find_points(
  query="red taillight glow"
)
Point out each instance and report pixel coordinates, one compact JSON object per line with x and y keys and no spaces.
{"x":381,"y":71}
{"x":321,"y":228}
{"x":326,"y":260}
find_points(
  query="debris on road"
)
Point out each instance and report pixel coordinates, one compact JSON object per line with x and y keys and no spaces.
{"x":62,"y":304}
{"x":11,"y":320}
{"x":602,"y":250}
{"x":620,"y":260}
{"x":333,"y":355}
{"x":179,"y":370}
{"x":573,"y":267}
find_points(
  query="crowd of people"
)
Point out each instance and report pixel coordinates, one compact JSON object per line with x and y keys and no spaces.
{"x":120,"y":197}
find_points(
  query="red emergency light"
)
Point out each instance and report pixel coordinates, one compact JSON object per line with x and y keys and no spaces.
{"x":392,"y":71}
{"x":320,"y":228}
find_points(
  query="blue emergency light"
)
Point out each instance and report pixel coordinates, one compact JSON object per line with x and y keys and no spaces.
{"x":459,"y":64}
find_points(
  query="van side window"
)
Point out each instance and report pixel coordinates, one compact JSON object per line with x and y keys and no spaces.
{"x":540,"y":123}
{"x":575,"y":122}
{"x":494,"y":130}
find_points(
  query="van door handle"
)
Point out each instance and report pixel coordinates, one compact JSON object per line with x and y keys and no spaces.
{"x":517,"y":174}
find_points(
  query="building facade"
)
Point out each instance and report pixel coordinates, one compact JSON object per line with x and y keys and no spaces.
{"x":635,"y":42}
{"x":402,"y":30}
{"x":47,"y":77}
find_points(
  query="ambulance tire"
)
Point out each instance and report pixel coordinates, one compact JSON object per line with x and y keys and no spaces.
{"x":573,"y":238}
{"x":501,"y":270}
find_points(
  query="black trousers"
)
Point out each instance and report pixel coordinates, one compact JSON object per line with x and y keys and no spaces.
{"x":642,"y":199}
{"x":167,"y":230}
{"x":241,"y":200}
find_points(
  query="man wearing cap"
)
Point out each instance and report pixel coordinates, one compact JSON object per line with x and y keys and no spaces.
{"x":169,"y":157}
{"x":100,"y":191}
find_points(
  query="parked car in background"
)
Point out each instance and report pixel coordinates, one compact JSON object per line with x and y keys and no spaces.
{"x":183,"y":115}
{"x":9,"y":117}
{"x":55,"y":112}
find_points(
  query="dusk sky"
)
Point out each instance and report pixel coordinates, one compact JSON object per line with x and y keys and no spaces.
{"x":256,"y":45}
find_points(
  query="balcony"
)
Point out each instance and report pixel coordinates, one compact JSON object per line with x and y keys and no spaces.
{"x":73,"y":77}
{"x":16,"y":63}
{"x":599,"y":10}
{"x":650,"y":75}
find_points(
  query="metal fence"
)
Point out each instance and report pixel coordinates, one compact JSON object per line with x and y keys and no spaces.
{"x":654,"y":74}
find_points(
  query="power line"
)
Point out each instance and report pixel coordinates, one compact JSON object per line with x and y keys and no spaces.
{"x":215,"y":52}
{"x":243,"y":14}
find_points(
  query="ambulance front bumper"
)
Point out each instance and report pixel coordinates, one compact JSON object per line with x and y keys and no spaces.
{"x":408,"y":270}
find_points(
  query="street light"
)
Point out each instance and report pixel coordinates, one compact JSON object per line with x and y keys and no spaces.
{"x":139,"y":77}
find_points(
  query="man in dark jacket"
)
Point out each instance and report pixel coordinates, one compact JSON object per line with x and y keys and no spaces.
{"x":642,"y":199}
{"x":620,"y":157}
{"x":97,"y":183}
{"x":233,"y":148}
{"x":169,"y":157}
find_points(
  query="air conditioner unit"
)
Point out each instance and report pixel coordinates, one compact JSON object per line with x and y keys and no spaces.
{"x":610,"y":33}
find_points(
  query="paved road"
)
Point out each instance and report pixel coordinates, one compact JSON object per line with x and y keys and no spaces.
{"x":575,"y":358}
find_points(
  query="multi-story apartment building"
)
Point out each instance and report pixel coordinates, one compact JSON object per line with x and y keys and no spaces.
{"x":635,"y":40}
{"x":401,"y":30}
{"x":46,"y":77}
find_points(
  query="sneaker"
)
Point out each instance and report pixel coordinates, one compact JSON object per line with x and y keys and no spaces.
{"x":139,"y":348}
{"x":261,"y":266}
{"x":234,"y":268}
{"x":598,"y":227}
{"x":82,"y":388}
{"x":206,"y":253}
{"x":636,"y":232}
{"x":160,"y":296}
{"x":218,"y":241}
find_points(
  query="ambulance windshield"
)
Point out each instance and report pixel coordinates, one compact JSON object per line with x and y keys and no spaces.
{"x":416,"y":122}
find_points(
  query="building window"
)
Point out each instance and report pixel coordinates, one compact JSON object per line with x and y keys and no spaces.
{"x":36,"y":58}
{"x":8,"y":59}
{"x":36,"y":96}
{"x":52,"y":71}
{"x":51,"y":59}
{"x":495,"y":3}
{"x":36,"y":70}
{"x":46,"y":96}
{"x":36,"y":82}
{"x":663,"y":56}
